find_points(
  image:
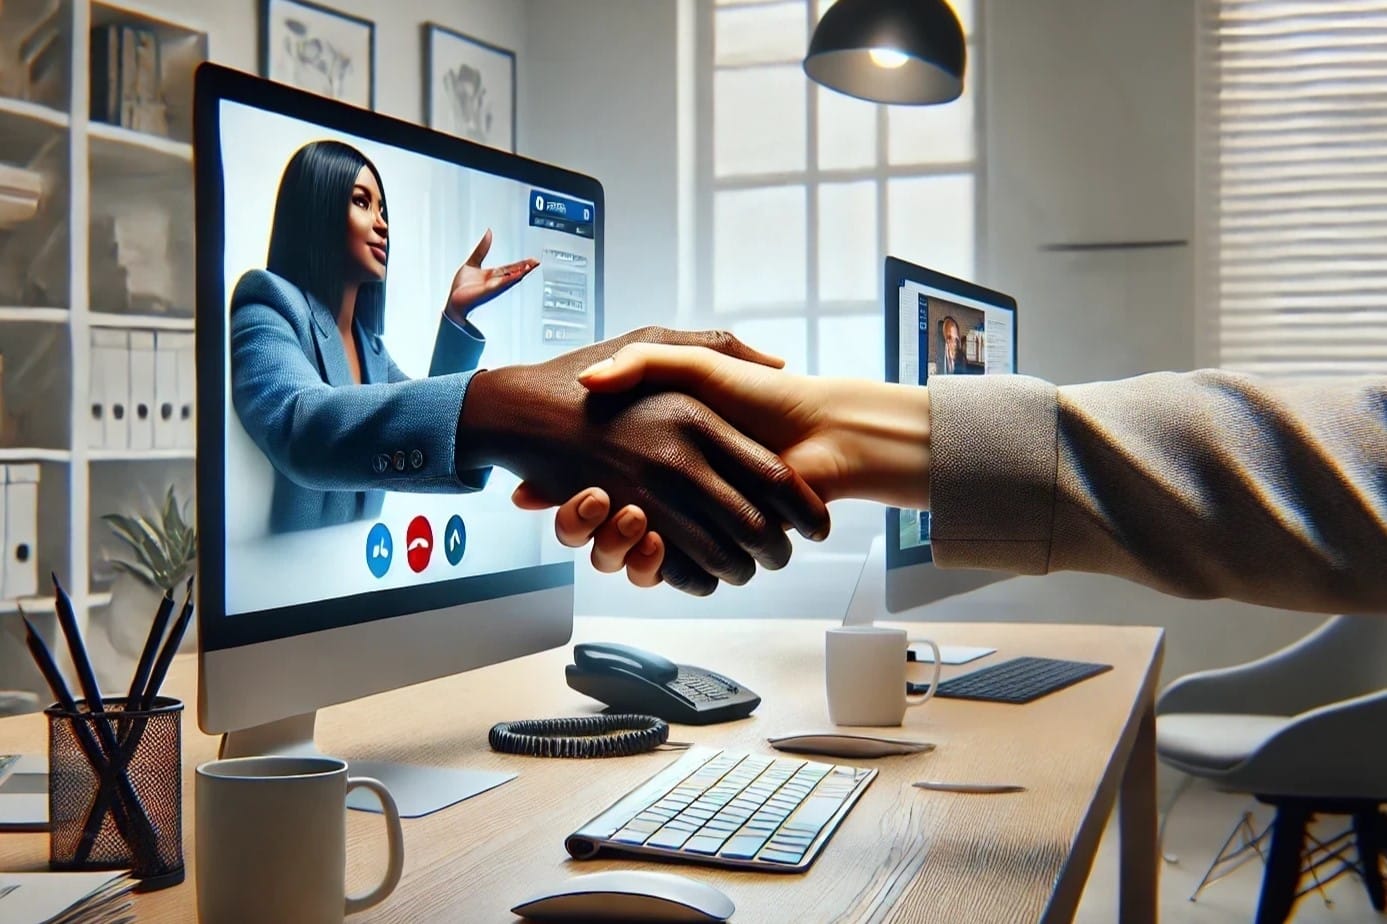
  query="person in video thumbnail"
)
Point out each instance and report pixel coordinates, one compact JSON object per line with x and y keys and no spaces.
{"x":310,"y":324}
{"x":951,"y":356}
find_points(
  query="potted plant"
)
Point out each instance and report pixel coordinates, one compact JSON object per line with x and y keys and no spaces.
{"x":162,"y":556}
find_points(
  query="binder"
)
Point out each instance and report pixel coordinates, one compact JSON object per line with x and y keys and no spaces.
{"x":21,"y":531}
{"x":110,"y":390}
{"x":142,"y":408}
{"x":183,"y":346}
{"x":3,"y":486}
{"x":166,"y":398}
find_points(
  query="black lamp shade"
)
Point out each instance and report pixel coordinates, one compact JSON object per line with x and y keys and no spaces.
{"x":926,"y":32}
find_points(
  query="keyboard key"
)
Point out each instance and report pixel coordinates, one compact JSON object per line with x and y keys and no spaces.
{"x":787,"y":857}
{"x":814,"y":814}
{"x":742,"y":846}
{"x":669,"y":839}
{"x":705,"y":844}
{"x":628,"y":836}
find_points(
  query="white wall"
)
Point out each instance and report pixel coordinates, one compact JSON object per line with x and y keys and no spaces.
{"x":599,"y":97}
{"x":233,"y":28}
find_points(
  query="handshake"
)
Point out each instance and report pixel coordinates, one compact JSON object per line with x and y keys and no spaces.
{"x":705,"y":449}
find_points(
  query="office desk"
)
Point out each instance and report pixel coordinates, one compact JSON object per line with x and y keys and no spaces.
{"x":902,"y":854}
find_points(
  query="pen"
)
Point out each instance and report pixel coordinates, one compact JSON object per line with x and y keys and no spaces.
{"x":981,"y":788}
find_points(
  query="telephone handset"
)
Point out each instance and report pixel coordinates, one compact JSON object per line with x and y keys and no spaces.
{"x":628,"y":679}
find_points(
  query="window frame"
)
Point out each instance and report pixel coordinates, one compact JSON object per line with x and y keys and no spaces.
{"x":813,"y":309}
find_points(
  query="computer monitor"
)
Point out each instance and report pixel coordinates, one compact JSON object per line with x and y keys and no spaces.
{"x":937,"y":325}
{"x":318,"y":584}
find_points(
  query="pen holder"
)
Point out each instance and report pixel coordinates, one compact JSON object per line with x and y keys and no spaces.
{"x":121,"y":806}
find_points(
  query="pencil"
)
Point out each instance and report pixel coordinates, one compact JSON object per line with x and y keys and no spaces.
{"x":67,"y":618}
{"x":151,"y":648}
{"x":161,"y":666}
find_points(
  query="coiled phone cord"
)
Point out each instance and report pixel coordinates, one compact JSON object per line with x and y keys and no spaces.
{"x":581,"y":736}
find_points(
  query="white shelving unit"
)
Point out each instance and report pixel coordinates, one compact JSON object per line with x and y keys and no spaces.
{"x":97,"y":169}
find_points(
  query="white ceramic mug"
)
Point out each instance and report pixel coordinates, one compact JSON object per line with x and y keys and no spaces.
{"x":865,"y":671}
{"x":272,"y":841}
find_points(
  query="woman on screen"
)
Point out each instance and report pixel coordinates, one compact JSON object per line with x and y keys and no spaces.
{"x":311,"y":380}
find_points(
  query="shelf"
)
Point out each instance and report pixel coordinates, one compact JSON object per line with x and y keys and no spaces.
{"x":33,"y":112}
{"x":99,"y":599}
{"x":122,"y":152}
{"x":34,"y":315}
{"x":25,"y":454}
{"x":140,"y":321}
{"x":30,"y":604}
{"x":139,"y":455}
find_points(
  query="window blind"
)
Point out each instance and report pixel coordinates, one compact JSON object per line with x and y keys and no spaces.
{"x":1292,"y":128}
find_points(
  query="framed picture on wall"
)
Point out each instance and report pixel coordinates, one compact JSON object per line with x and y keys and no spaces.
{"x":319,"y":49}
{"x":469,"y":87}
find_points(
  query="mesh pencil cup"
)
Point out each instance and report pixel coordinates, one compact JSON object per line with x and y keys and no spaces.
{"x":135,"y":820}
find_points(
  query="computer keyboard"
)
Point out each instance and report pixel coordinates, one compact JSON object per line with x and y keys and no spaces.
{"x":729,"y":809}
{"x":1019,"y":680}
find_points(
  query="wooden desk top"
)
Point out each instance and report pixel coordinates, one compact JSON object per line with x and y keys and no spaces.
{"x":900,"y":854}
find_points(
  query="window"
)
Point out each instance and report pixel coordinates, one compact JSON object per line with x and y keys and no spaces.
{"x":802,"y":191}
{"x":1293,"y":186}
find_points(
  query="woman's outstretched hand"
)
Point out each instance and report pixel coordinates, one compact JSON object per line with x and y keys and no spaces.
{"x":474,"y":285}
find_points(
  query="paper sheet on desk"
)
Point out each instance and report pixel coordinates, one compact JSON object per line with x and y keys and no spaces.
{"x":51,"y":898}
{"x":949,"y":654}
{"x":24,"y":795}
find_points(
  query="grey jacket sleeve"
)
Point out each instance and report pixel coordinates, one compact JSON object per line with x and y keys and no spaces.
{"x":1202,"y":484}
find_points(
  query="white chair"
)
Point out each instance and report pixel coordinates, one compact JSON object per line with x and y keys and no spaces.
{"x":1303,"y":729}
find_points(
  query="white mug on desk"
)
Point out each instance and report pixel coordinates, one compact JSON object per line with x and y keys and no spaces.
{"x":864,"y":668}
{"x":272,"y":841}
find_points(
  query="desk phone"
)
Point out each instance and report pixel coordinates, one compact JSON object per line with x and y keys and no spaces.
{"x":630,"y":680}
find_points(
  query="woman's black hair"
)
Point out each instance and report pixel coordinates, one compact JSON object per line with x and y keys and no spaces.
{"x":307,"y":240}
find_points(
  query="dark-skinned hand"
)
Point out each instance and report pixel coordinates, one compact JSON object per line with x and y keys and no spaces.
{"x":717,"y":498}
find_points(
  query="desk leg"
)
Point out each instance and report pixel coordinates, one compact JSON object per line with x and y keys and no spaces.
{"x":1137,"y":827}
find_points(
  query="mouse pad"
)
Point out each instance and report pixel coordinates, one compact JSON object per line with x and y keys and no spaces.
{"x":949,"y":654}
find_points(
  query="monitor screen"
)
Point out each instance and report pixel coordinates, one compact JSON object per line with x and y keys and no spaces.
{"x":938,"y":325}
{"x":307,"y":541}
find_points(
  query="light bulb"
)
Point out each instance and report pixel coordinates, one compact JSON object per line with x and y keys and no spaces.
{"x":888,"y":57}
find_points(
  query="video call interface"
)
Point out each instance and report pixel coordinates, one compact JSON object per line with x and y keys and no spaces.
{"x":437,"y":213}
{"x":944,"y":334}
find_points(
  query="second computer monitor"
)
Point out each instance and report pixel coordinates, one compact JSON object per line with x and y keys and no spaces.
{"x":937,"y":325}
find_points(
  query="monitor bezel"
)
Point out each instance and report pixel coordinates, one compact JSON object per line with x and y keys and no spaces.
{"x":214,"y":84}
{"x":895,"y":272}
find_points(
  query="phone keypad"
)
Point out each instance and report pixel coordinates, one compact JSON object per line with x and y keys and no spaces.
{"x":702,"y":686}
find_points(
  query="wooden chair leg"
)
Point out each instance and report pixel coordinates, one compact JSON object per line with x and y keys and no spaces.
{"x":1282,"y":875}
{"x":1367,"y":828}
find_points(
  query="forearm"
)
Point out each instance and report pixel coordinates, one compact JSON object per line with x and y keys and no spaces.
{"x":881,"y":436}
{"x":1204,"y":484}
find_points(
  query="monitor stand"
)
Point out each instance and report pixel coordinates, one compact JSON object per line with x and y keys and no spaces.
{"x":417,"y":790}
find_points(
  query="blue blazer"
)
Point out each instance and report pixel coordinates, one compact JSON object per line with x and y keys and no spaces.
{"x":337,"y":446}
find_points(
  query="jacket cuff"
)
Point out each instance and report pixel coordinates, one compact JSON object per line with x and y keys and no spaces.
{"x":471,"y":479}
{"x":457,"y":347}
{"x":994,"y":450}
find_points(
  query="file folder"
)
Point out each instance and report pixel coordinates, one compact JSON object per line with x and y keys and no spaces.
{"x":110,"y":390}
{"x":166,"y":423}
{"x":21,"y":531}
{"x":142,"y":409}
{"x":187,"y":392}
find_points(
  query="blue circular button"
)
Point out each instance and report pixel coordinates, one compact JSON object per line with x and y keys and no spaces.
{"x":380,"y":550}
{"x":454,"y":539}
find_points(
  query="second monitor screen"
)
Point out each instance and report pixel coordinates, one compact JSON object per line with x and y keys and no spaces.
{"x":942,"y":333}
{"x":292,"y":537}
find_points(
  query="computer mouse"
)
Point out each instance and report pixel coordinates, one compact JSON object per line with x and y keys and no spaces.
{"x":628,"y":895}
{"x":842,"y":744}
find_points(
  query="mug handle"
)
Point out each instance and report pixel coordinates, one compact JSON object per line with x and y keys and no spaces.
{"x":934,"y":681}
{"x":396,"y":863}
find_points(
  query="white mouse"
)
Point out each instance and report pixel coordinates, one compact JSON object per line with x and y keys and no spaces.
{"x":841,"y":744}
{"x":628,"y":895}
